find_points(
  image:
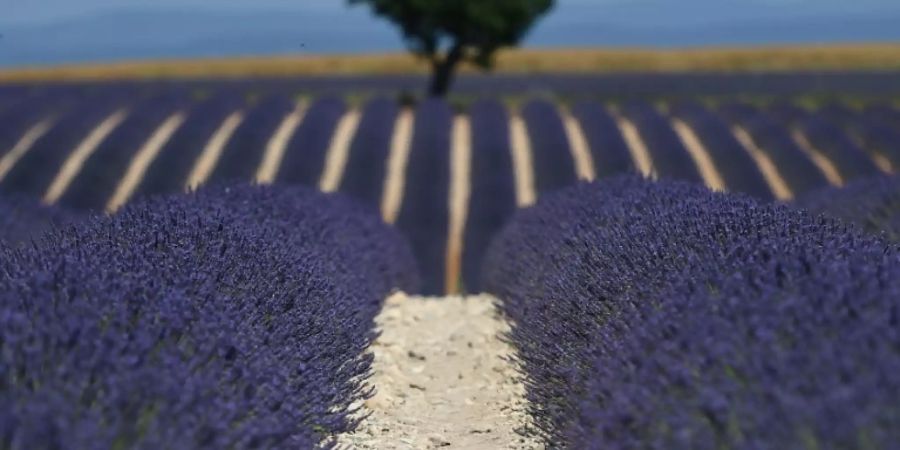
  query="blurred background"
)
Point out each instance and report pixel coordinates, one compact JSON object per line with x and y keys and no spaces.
{"x":52,"y":32}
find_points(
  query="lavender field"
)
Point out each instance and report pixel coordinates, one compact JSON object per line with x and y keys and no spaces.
{"x":678,"y":262}
{"x":98,"y":146}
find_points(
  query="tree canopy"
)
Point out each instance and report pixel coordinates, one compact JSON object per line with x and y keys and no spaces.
{"x":447,"y":32}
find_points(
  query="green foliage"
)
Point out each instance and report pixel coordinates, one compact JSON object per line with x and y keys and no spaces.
{"x":479,"y":26}
{"x":447,"y":32}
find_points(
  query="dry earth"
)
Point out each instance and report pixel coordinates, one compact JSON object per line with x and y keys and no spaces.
{"x":814,"y":58}
{"x":443,"y":379}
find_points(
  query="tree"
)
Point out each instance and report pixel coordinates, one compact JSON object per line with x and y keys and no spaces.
{"x":448,"y":32}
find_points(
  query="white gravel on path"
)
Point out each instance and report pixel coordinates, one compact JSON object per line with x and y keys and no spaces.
{"x":443,"y":379}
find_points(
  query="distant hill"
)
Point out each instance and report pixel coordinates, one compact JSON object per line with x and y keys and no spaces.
{"x":197,"y":32}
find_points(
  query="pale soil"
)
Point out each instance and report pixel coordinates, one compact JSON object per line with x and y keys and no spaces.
{"x":277,"y":145}
{"x":443,"y":379}
{"x":636,"y":146}
{"x":10,"y":158}
{"x":339,"y":151}
{"x":821,"y":161}
{"x":702,"y":160}
{"x":768,"y":168}
{"x":523,"y":166}
{"x":581,"y":153}
{"x":207,"y":160}
{"x":401,"y":141}
{"x":142,"y":160}
{"x":458,"y":201}
{"x":80,"y":154}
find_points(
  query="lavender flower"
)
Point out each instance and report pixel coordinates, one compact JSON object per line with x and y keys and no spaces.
{"x":231,"y":318}
{"x":23,"y":219}
{"x":872,"y":203}
{"x":597,"y":278}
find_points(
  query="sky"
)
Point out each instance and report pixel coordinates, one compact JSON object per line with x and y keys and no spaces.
{"x":61,"y":31}
{"x":31,"y":11}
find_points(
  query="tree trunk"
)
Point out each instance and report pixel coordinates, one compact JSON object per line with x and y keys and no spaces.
{"x":442,"y":75}
{"x":442,"y":71}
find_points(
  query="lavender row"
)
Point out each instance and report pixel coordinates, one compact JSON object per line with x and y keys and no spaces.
{"x":306,"y":152}
{"x":670,"y":158}
{"x":492,"y":199}
{"x":244,"y":152}
{"x":369,"y":150}
{"x":851,"y":143}
{"x":169,"y":171}
{"x":881,"y":137}
{"x":20,"y":116}
{"x":550,"y":155}
{"x":735,"y":165}
{"x":37,"y":168}
{"x":888,"y":113}
{"x":872,"y":204}
{"x":607,"y":146}
{"x":231,"y":318}
{"x":661,"y":315}
{"x":96,"y":182}
{"x":826,"y":137}
{"x":774,"y":139}
{"x":24,"y":220}
{"x":424,"y":213}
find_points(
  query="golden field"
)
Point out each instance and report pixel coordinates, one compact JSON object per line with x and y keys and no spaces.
{"x":530,"y":61}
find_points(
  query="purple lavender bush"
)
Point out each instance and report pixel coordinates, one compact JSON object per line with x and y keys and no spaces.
{"x":230,"y":318}
{"x":871,"y":203}
{"x":635,"y":307}
{"x":795,"y":348}
{"x":24,"y":219}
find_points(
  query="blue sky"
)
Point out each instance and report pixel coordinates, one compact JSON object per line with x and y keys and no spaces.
{"x":30,"y":11}
{"x":64,"y":31}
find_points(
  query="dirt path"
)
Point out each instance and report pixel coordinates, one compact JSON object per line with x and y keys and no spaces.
{"x":208,"y":159}
{"x":142,"y":160}
{"x":701,"y":156}
{"x":80,"y":154}
{"x":442,"y":379}
{"x":768,"y":168}
{"x":277,"y":145}
{"x":636,"y":146}
{"x":523,"y":166}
